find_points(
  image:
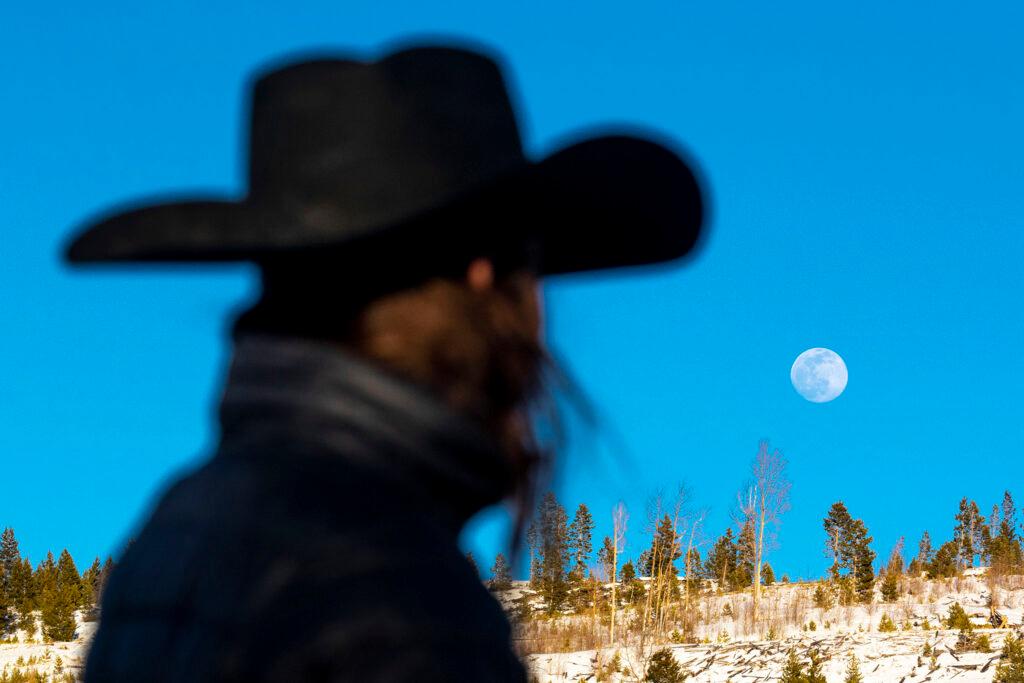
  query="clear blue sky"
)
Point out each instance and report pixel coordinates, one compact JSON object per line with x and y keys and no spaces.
{"x":865,"y":167}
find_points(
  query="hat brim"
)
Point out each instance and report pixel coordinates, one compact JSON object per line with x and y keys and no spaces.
{"x":606,"y":202}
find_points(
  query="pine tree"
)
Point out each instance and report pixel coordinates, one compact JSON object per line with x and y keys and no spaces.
{"x":767,"y":574}
{"x":890,"y":587}
{"x":924,"y":555}
{"x":553,"y":553}
{"x":658,"y":562}
{"x":968,"y":532}
{"x":793,"y":672}
{"x":10,"y":558}
{"x":720,"y":564}
{"x":606,"y":559}
{"x":108,"y":567}
{"x":853,"y":674}
{"x":814,"y":672}
{"x":945,"y":562}
{"x":1011,"y":666}
{"x":863,"y":562}
{"x":580,"y":541}
{"x":59,"y":590}
{"x":663,"y":668}
{"x":838,"y":526}
{"x":91,"y":584}
{"x":632,"y":587}
{"x":501,"y":575}
{"x":746,"y":551}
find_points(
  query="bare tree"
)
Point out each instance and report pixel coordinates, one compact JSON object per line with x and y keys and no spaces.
{"x":619,"y":519}
{"x":764,"y":500}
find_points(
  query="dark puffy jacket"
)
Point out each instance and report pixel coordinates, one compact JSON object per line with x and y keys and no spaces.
{"x":319,"y":543}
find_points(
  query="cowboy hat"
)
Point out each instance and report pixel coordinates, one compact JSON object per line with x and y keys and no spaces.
{"x":418,"y":150}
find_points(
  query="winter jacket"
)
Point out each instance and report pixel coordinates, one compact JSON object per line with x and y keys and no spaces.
{"x":318,"y":543}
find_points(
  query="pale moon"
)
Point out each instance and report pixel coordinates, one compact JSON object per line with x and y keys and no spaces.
{"x":819,"y":375}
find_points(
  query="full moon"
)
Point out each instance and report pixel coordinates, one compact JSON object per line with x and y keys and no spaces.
{"x":819,"y":375}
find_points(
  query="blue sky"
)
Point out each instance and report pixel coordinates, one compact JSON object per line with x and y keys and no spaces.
{"x":864,"y":164}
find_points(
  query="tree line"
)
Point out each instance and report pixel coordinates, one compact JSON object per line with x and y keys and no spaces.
{"x":671,"y":568}
{"x":54,"y":588}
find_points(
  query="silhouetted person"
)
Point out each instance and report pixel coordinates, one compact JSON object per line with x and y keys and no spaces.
{"x":379,"y":389}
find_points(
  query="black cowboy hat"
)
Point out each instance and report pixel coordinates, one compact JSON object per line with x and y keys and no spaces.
{"x":418,"y":151}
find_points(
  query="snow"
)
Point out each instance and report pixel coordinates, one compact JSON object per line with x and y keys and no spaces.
{"x":732,"y":650}
{"x":71,"y":654}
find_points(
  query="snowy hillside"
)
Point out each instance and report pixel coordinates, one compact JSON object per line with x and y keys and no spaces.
{"x":728,"y":648}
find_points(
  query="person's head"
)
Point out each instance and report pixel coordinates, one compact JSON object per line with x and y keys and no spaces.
{"x":471,"y":335}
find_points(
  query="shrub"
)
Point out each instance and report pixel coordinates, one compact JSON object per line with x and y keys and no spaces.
{"x":886,"y":624}
{"x":853,"y":671}
{"x":663,"y":668}
{"x":1011,"y":666}
{"x":957,"y":617}
{"x":823,"y":598}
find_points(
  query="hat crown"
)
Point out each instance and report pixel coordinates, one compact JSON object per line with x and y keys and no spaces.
{"x":358,"y":136}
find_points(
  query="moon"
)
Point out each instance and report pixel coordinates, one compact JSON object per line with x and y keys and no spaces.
{"x":819,"y":375}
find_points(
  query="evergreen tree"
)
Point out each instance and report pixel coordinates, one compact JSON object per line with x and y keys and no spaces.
{"x":746,"y":552}
{"x":91,"y":584}
{"x":23,"y":587}
{"x":793,"y":672}
{"x":501,"y":575}
{"x":924,"y":555}
{"x":59,"y":592}
{"x":659,"y":561}
{"x":632,"y":587}
{"x":108,"y":567}
{"x":553,"y":553}
{"x":890,"y":587}
{"x":663,"y":668}
{"x":1011,"y":666}
{"x":814,"y":672}
{"x":838,"y":526}
{"x":1009,"y":518}
{"x":606,"y":558}
{"x":853,"y":674}
{"x":720,"y":564}
{"x":767,"y":574}
{"x":968,"y":532}
{"x":580,"y":543}
{"x":10,"y":558}
{"x":944,"y":564}
{"x":68,"y":578}
{"x":863,"y":562}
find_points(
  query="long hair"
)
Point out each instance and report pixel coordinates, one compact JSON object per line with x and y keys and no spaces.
{"x":479,"y":350}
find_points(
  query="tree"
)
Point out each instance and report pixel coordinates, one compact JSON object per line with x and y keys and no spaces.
{"x":765,"y":501}
{"x":1011,"y":666}
{"x":59,"y":588}
{"x":620,"y":519}
{"x":838,"y":524}
{"x":501,"y":575}
{"x":580,"y":542}
{"x":743,"y":573}
{"x":945,"y":562}
{"x":632,"y":587}
{"x":91,"y":583}
{"x":663,"y":668}
{"x":767,"y":575}
{"x":553,"y":553}
{"x":720,"y":564}
{"x":863,"y":561}
{"x":793,"y":672}
{"x":924,"y":555}
{"x":853,"y":674}
{"x":968,"y":532}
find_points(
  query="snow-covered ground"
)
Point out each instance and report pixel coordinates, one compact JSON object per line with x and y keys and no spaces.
{"x":736,"y":650}
{"x":43,"y":657}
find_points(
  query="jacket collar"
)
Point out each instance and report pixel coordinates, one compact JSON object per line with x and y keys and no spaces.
{"x":296,"y":398}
